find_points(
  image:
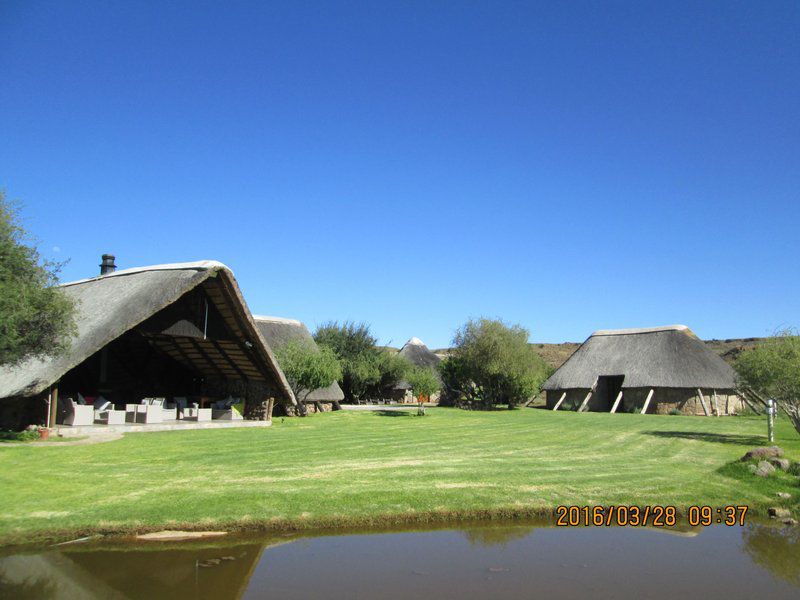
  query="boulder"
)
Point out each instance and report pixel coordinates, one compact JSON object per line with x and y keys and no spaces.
{"x":763,"y":452}
{"x":792,"y":522}
{"x":784,"y":495}
{"x":780,"y":463}
{"x":764,"y":469}
{"x":778,"y":512}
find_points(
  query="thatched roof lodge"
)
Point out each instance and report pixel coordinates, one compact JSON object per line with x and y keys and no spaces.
{"x":278,"y":332}
{"x":654,"y":370}
{"x":171,"y":331}
{"x":418,"y":354}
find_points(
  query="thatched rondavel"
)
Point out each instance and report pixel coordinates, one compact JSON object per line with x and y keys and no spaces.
{"x":278,"y":332}
{"x":418,"y":354}
{"x":653,"y":370}
{"x":173,"y":330}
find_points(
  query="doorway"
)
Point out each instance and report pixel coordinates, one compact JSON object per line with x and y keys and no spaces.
{"x":608,"y":387}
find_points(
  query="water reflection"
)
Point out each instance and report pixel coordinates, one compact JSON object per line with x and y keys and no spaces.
{"x":498,"y":560}
{"x":776,"y":549}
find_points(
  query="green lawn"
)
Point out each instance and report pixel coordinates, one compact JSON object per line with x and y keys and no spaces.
{"x":377,"y":468}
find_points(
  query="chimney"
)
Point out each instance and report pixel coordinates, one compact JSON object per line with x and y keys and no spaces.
{"x":107,"y":266}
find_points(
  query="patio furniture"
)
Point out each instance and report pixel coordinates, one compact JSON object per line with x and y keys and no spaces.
{"x":78,"y":414}
{"x":105,"y":414}
{"x":197,"y":414}
{"x":224,"y":410}
{"x":144,"y":413}
{"x":226,"y":414}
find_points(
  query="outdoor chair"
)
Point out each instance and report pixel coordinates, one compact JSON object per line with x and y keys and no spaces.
{"x":224,"y":410}
{"x":167,"y":413}
{"x":197,"y":414}
{"x":78,"y":414}
{"x":105,"y":413}
{"x":149,"y":413}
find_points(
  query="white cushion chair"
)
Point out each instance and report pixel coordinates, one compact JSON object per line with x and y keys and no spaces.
{"x":105,"y":414}
{"x":78,"y":414}
{"x":194,"y":413}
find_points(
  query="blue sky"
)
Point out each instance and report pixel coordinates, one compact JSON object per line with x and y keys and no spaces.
{"x":566,"y":166}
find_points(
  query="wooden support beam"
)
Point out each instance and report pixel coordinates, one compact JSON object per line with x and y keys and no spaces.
{"x":647,"y":401}
{"x":616,"y":402}
{"x":716,"y":404}
{"x":754,"y":406}
{"x":585,"y":401}
{"x":270,"y":406}
{"x":560,"y":400}
{"x":703,"y":402}
{"x":53,"y":406}
{"x":588,"y":396}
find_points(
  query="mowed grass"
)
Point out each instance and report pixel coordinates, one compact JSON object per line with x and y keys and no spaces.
{"x":372,"y":468}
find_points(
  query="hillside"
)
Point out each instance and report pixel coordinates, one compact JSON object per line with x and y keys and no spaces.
{"x":557,"y":354}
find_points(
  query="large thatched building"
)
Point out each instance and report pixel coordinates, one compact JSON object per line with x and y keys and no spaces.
{"x":170,"y":331}
{"x":278,"y":332}
{"x":419,"y":355}
{"x":655,"y":370}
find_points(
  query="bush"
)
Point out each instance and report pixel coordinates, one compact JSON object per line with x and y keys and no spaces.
{"x":491,"y":363}
{"x":773,"y":370}
{"x":307,"y":368}
{"x":368,"y":372}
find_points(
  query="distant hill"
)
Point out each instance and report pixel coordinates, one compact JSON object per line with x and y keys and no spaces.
{"x":557,"y":354}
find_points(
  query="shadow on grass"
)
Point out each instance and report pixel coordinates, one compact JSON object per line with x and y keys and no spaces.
{"x":392,"y":413}
{"x":717,"y":438}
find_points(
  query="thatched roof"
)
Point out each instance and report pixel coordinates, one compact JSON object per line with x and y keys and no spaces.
{"x":670,"y":356}
{"x":278,"y":332}
{"x":110,"y":305}
{"x":419,"y":355}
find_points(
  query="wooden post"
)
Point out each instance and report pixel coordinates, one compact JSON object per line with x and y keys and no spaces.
{"x":53,"y":406}
{"x":560,"y":400}
{"x":753,"y":406}
{"x":585,"y":401}
{"x":703,"y":402}
{"x":47,"y":404}
{"x":716,"y":404}
{"x":588,"y":396}
{"x":270,"y":406}
{"x":647,"y":401}
{"x":616,"y":402}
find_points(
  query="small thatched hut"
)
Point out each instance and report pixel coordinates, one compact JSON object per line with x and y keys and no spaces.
{"x":278,"y":332}
{"x":173,"y":331}
{"x":419,"y":355}
{"x":656,"y":370}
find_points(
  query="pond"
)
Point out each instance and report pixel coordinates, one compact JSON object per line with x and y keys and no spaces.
{"x":480,"y":561}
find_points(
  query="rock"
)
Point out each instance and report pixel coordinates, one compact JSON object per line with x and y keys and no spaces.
{"x":791,"y":522}
{"x":763,"y":452}
{"x":764,"y":469}
{"x":778,"y":512}
{"x":784,"y":495}
{"x":780,"y":463}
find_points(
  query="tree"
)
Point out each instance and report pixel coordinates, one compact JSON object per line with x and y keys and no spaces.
{"x":36,"y":318}
{"x":424,"y":383}
{"x":367,"y":371}
{"x":392,"y":368}
{"x":772,"y":369}
{"x":307,"y":368}
{"x":491,"y":363}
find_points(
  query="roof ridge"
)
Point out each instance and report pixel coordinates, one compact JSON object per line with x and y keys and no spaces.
{"x":277,"y":319}
{"x":198,"y":265}
{"x":640,"y":330}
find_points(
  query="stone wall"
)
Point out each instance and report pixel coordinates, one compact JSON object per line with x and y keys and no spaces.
{"x":663,"y":402}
